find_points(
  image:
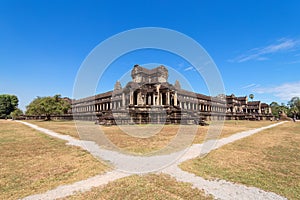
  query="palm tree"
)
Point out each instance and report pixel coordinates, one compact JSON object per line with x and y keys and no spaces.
{"x":251,"y":96}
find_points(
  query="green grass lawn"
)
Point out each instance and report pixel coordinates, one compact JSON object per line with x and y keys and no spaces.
{"x":269,"y":160}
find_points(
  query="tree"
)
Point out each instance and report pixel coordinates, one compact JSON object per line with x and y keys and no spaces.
{"x":48,"y":106}
{"x":16,"y":113}
{"x":277,"y":109}
{"x":251,"y":96}
{"x":294,"y":105}
{"x":8,"y":103}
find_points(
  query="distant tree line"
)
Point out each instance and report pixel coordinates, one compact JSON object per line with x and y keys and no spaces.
{"x":48,"y":106}
{"x":9,"y":106}
{"x":56,"y":105}
{"x":40,"y":106}
{"x":292,"y":109}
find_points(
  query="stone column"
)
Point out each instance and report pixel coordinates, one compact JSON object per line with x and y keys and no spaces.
{"x":175,"y":98}
{"x":160,"y":98}
{"x":168,"y":98}
{"x":131,"y":97}
{"x":153,"y":99}
{"x":158,"y":94}
{"x":123,"y":99}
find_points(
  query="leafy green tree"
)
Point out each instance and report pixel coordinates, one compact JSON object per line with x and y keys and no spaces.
{"x":8,"y":103}
{"x":277,"y":109}
{"x":48,"y":106}
{"x":294,"y":105}
{"x":16,"y":113}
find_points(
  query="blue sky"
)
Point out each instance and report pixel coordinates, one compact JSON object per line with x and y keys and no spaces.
{"x":255,"y":44}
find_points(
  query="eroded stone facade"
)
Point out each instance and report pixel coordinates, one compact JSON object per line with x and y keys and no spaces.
{"x":150,"y":98}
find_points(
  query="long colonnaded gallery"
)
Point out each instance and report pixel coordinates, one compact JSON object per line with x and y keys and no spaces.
{"x":150,"y":98}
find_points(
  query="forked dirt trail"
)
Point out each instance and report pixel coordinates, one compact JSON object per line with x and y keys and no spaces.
{"x":219,"y":189}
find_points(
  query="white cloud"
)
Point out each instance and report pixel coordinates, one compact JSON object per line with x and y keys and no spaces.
{"x":189,"y":69}
{"x":281,"y":45}
{"x":284,"y":92}
{"x":250,"y":86}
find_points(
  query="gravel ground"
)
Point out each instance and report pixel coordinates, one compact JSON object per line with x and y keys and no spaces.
{"x":127,"y":164}
{"x":221,"y":189}
{"x":80,"y":186}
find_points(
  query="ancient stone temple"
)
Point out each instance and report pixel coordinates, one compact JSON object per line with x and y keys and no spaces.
{"x":150,"y":98}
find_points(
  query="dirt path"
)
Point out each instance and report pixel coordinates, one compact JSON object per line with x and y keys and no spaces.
{"x":221,"y":189}
{"x":80,"y":186}
{"x":125,"y":163}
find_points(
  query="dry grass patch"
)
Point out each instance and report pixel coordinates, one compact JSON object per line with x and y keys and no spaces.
{"x":143,"y":187}
{"x":269,"y":160}
{"x":231,"y":127}
{"x":32,"y":162}
{"x":62,"y":127}
{"x":147,"y":139}
{"x":168,"y":133}
{"x":134,"y":144}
